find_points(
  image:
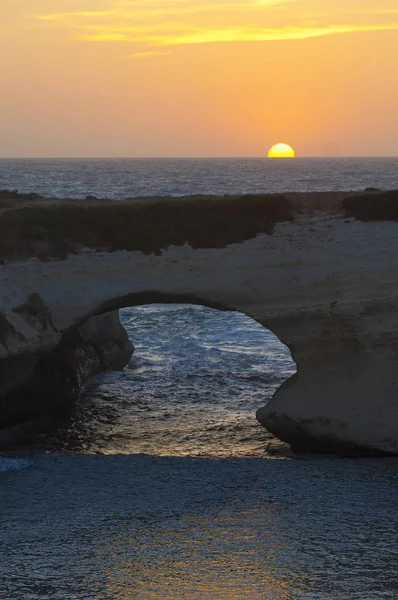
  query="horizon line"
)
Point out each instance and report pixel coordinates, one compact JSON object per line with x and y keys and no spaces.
{"x":203,"y":157}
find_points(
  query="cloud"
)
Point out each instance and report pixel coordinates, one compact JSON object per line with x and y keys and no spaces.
{"x":160,"y":23}
{"x":203,"y":36}
{"x":71,"y":15}
{"x":147,"y":54}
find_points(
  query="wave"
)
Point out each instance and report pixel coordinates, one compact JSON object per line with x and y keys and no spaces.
{"x":13,"y":464}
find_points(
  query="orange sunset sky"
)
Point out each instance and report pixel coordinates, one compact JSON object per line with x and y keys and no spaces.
{"x":198,"y":77}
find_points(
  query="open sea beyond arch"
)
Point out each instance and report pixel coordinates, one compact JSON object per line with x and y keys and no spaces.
{"x":162,"y":485}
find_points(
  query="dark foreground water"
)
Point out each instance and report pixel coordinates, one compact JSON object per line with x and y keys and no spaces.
{"x":136,"y":527}
{"x":162,"y":485}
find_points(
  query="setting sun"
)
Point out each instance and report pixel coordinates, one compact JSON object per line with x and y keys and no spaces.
{"x":281,"y":151}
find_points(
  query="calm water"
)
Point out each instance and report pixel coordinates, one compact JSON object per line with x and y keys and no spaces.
{"x":123,"y":178}
{"x":144,"y":528}
{"x":162,"y":485}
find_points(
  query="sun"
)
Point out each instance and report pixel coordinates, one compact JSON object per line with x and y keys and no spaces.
{"x":281,"y":151}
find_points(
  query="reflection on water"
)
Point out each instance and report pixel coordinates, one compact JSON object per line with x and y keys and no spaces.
{"x":208,"y":557}
{"x":193,"y":387}
{"x":139,"y":528}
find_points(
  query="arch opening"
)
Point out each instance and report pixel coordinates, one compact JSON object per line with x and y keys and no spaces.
{"x":192,"y":388}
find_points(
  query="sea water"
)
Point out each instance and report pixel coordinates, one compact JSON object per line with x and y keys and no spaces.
{"x":124,"y":178}
{"x":162,"y":485}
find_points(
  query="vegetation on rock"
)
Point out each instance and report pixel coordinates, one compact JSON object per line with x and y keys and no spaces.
{"x":146,"y":225}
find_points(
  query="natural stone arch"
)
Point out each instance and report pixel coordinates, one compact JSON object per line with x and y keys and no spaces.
{"x":156,"y":297}
{"x":96,"y":344}
{"x":342,"y":339}
{"x":324,"y":283}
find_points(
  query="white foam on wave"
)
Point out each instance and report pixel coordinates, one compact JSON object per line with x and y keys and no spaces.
{"x":12,"y":464}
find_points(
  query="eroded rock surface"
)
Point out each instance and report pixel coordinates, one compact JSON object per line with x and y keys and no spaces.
{"x":320,"y":274}
{"x":44,"y":381}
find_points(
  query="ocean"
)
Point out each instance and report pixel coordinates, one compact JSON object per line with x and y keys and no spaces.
{"x":162,"y":484}
{"x":125,"y":178}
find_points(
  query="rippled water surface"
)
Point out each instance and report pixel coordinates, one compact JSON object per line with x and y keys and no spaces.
{"x":123,"y":178}
{"x":196,"y":379}
{"x":135,"y":527}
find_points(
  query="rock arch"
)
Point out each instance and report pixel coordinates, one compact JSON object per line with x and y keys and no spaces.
{"x":325,"y":285}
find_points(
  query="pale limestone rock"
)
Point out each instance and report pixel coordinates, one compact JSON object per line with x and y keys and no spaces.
{"x":325,"y":285}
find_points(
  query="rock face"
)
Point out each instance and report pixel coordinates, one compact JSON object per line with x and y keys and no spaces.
{"x":56,"y":378}
{"x":317,"y":273}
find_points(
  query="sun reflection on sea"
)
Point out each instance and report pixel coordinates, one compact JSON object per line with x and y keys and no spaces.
{"x":210,"y":556}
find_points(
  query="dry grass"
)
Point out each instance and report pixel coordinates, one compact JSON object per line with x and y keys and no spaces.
{"x":372,"y":207}
{"x":149,"y":225}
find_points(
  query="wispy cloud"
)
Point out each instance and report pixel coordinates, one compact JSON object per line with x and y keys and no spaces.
{"x":159,"y":23}
{"x":56,"y":17}
{"x":147,"y":54}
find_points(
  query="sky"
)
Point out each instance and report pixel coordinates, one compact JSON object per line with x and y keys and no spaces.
{"x":154,"y":78}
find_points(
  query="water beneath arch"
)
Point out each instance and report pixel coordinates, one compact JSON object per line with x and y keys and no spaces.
{"x":196,"y":379}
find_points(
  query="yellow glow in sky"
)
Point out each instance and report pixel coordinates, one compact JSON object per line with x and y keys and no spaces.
{"x":198,"y":78}
{"x":175,"y":22}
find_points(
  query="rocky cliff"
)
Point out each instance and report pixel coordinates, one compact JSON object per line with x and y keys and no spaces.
{"x":46,"y":380}
{"x":318,"y":270}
